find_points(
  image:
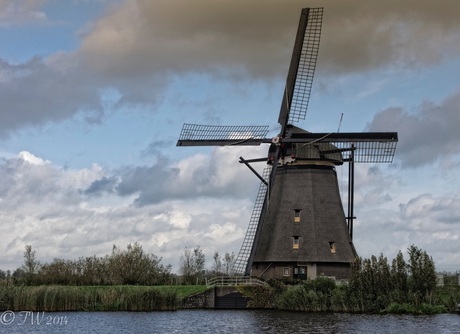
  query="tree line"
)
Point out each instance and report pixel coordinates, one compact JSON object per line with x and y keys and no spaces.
{"x":130,"y":266}
{"x":375,"y":285}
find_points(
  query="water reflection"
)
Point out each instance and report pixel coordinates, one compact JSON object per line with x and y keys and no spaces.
{"x":234,"y":321}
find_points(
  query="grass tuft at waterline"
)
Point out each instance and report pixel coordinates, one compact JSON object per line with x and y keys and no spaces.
{"x":94,"y":298}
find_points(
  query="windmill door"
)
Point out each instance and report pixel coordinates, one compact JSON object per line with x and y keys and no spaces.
{"x":300,"y":273}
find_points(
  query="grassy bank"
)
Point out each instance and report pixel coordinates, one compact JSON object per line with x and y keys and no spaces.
{"x":311,"y":296}
{"x":322,"y":295}
{"x":94,"y":298}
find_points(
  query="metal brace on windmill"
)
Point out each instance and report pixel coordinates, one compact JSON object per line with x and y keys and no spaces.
{"x":298,"y":228}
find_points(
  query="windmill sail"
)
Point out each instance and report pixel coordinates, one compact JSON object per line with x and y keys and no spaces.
{"x":241,"y":261}
{"x":302,"y":68}
{"x":220,"y":135}
{"x":298,"y":228}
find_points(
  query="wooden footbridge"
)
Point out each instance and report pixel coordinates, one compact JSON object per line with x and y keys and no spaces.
{"x":223,"y":293}
{"x":234,"y":281}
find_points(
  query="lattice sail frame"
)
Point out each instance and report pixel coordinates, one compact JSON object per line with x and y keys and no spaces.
{"x":306,"y":66}
{"x":202,"y":135}
{"x":342,"y":151}
{"x":239,"y":267}
{"x":367,"y":147}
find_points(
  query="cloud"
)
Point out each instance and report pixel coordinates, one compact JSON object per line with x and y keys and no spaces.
{"x":428,"y":221}
{"x":18,"y":13}
{"x":436,"y":215}
{"x":432,"y":223}
{"x":103,"y":185}
{"x":427,"y":134}
{"x":219,"y":175}
{"x":368,"y":35}
{"x":28,"y":177}
{"x":43,"y":90}
{"x":130,"y":55}
{"x":180,"y":36}
{"x":137,"y":47}
{"x":46,"y":206}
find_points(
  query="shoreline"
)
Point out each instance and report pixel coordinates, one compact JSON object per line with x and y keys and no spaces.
{"x":128,"y":298}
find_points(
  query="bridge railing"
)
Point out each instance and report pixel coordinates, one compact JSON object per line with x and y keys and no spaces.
{"x":234,"y":280}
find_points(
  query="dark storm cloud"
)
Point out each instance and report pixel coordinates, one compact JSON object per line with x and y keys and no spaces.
{"x":43,"y":90}
{"x":138,"y":46}
{"x":368,"y":35}
{"x":256,"y":37}
{"x":429,"y":133}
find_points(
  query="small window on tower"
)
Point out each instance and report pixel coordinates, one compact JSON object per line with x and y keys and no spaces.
{"x":295,"y":243}
{"x":332,"y":246}
{"x":286,"y":271}
{"x":297,"y":216}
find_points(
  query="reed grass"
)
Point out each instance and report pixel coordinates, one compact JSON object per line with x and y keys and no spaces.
{"x":302,"y":297}
{"x":341,"y":299}
{"x":87,"y":298}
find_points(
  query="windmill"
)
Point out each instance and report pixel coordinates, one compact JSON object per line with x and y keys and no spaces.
{"x":298,"y":228}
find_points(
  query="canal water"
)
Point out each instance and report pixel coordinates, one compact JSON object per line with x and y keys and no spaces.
{"x":223,"y":321}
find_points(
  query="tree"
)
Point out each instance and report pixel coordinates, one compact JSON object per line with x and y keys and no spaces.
{"x":229,"y":261}
{"x":59,"y":271}
{"x":371,"y":283}
{"x":134,"y":266}
{"x":217,"y":264}
{"x":399,"y":278}
{"x":422,"y":279}
{"x":31,"y":264}
{"x":95,"y":270}
{"x":123,"y":266}
{"x":18,"y":274}
{"x":192,"y":265}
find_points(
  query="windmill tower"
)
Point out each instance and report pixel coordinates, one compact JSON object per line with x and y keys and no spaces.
{"x":298,"y":228}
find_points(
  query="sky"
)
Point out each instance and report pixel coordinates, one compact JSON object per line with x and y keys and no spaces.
{"x":94,"y":94}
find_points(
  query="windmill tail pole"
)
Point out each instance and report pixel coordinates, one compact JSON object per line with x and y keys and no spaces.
{"x":253,"y":170}
{"x":351,"y":190}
